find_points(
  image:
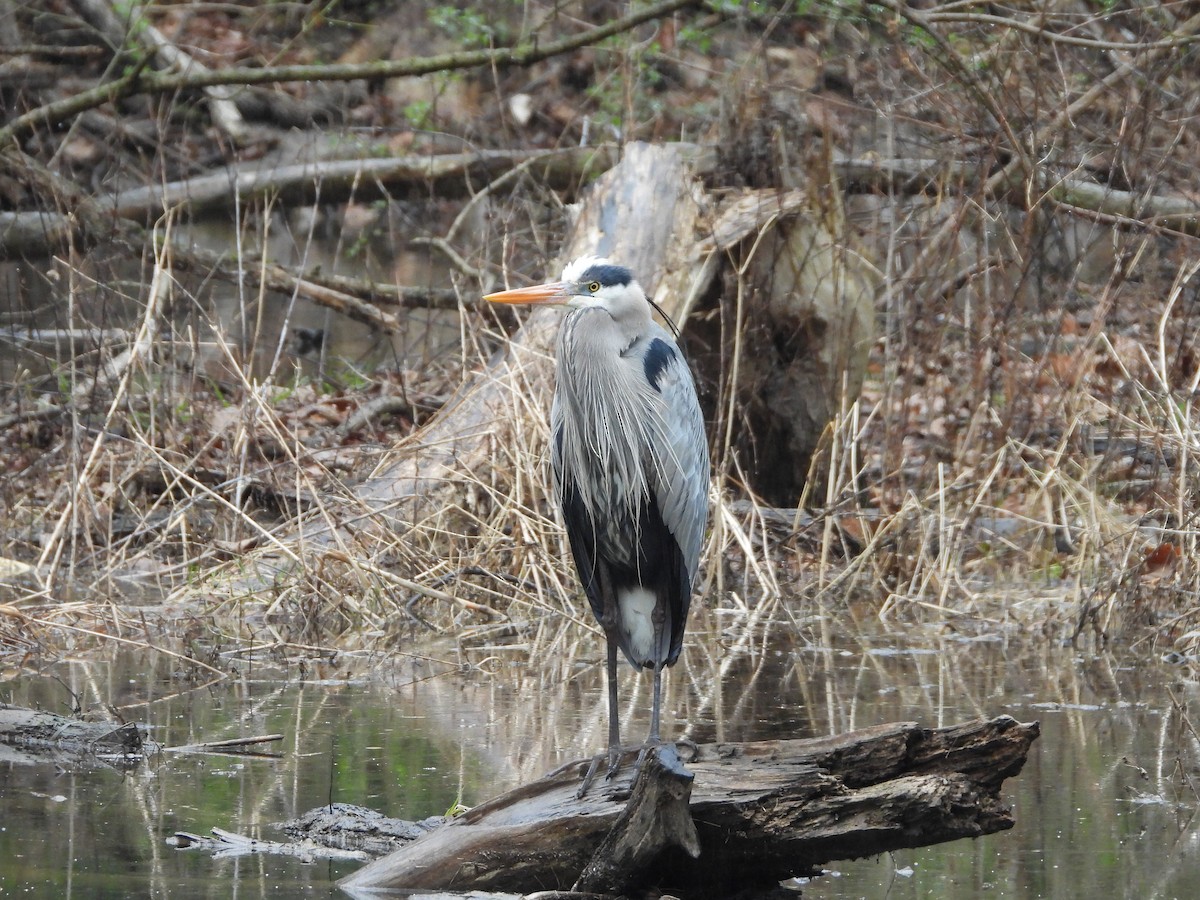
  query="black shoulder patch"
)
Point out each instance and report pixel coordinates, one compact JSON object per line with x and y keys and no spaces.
{"x":658,"y":354}
{"x":608,"y":275}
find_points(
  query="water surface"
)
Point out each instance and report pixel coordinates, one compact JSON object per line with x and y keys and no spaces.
{"x":1105,"y":806}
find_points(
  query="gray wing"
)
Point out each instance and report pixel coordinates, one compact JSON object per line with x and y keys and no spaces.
{"x":678,"y":471}
{"x":556,"y":460}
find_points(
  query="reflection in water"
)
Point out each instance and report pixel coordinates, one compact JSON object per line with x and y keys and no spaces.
{"x":1103,"y":808}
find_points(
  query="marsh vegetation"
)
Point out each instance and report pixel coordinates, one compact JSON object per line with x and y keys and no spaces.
{"x":242,"y":248}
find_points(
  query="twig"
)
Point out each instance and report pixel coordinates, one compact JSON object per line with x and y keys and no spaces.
{"x":226,"y":746}
{"x":972,"y":18}
{"x":451,"y":254}
{"x":380,"y":406}
{"x":406,"y":296}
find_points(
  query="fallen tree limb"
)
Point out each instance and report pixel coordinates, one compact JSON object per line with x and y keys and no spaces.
{"x":404,"y":296}
{"x":243,"y":746}
{"x":448,"y":175}
{"x":916,"y":176}
{"x":762,"y":812}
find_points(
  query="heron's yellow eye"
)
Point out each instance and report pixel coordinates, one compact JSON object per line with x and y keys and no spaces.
{"x":593,"y":286}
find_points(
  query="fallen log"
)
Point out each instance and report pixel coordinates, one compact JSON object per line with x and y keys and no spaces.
{"x":762,"y":812}
{"x":332,"y":181}
{"x":31,"y":737}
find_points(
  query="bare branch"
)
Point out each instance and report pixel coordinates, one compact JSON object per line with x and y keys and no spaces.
{"x":970,"y":18}
{"x":528,"y":53}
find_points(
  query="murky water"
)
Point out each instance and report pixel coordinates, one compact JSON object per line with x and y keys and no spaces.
{"x":1105,"y":807}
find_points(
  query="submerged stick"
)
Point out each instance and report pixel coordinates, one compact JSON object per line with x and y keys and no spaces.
{"x":226,"y":746}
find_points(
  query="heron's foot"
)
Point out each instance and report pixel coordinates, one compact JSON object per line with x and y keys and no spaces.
{"x":615,"y":756}
{"x":589,"y":776}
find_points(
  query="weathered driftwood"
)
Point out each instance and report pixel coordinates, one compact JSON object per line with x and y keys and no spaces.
{"x":762,"y":812}
{"x":30,"y":736}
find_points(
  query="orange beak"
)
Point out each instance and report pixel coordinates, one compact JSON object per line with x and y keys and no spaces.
{"x":552,"y":292}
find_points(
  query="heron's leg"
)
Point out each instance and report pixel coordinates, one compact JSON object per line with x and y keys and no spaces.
{"x":654,"y":709}
{"x":614,"y":718}
{"x":614,"y":730}
{"x":653,"y":740}
{"x":658,"y":618}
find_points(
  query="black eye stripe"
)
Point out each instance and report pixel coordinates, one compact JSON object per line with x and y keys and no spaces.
{"x":607,"y":275}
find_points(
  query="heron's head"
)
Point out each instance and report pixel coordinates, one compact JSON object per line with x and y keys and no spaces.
{"x":590,"y":281}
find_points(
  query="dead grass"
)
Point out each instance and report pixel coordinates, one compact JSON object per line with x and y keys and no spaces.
{"x":1021,"y":458}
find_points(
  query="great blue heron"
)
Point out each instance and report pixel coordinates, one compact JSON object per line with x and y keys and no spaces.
{"x":631,"y":467}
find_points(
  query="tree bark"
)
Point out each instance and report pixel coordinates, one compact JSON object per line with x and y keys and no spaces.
{"x":762,"y":812}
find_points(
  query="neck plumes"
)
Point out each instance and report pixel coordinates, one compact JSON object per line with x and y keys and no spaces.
{"x":603,"y":430}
